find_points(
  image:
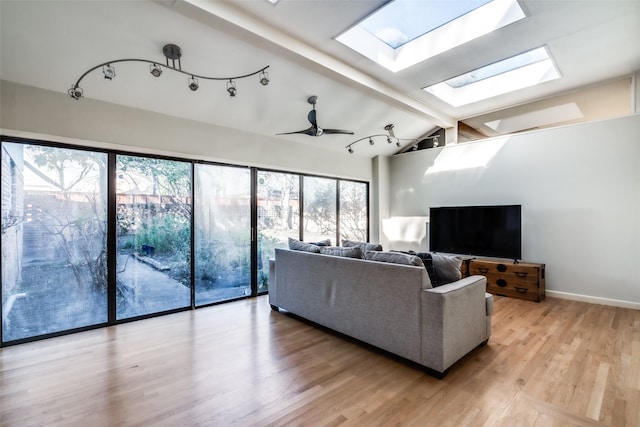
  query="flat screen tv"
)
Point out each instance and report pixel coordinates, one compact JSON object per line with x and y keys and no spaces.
{"x":491,"y":231}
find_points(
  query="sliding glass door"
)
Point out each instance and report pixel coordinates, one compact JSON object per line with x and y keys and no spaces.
{"x":320,"y":209}
{"x":54,"y":228}
{"x":354,"y":218}
{"x":278,"y":204}
{"x":222,"y":233}
{"x":92,"y":237}
{"x":153,"y":224}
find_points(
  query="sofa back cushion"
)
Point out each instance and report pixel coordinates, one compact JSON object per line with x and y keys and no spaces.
{"x":297,"y":245}
{"x":364,"y":246}
{"x":350,"y":252}
{"x":394,"y":258}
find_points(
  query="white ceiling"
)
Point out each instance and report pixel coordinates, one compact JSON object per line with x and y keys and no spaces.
{"x":49,"y":44}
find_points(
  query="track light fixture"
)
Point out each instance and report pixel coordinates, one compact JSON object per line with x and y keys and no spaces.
{"x":155,"y":70}
{"x":193,"y":84}
{"x":172,"y":55}
{"x":264,"y":78}
{"x":231,"y":88}
{"x":349,"y":149}
{"x":371,"y":141}
{"x":108,"y":71}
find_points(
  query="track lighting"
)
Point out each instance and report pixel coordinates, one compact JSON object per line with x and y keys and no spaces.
{"x":172,"y":55}
{"x":155,"y":70}
{"x":264,"y":78}
{"x":108,"y":71}
{"x":193,"y":84}
{"x":75,"y":92}
{"x":231,"y":88}
{"x":391,"y":138}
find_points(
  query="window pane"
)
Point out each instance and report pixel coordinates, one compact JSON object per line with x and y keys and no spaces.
{"x":54,"y":253}
{"x":222,"y":233}
{"x":319,"y":209}
{"x":278,"y":217}
{"x":153,"y":235}
{"x":353,"y":211}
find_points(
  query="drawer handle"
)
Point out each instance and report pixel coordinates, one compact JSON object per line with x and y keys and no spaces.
{"x":501,"y":282}
{"x":521,"y":274}
{"x":521,"y":290}
{"x":483,"y":270}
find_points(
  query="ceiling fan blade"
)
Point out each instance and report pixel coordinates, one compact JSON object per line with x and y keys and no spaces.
{"x":309,"y":131}
{"x":312,"y":118}
{"x":337,"y":131}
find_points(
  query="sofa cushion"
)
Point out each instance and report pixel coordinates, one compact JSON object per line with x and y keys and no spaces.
{"x":325,"y":242}
{"x":364,"y":246}
{"x":394,"y":257}
{"x":297,"y":245}
{"x":350,"y":252}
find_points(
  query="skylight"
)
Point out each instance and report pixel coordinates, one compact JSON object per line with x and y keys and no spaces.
{"x":406,"y":32}
{"x":511,"y":74}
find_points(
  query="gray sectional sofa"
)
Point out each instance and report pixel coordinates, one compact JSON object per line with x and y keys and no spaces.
{"x":390,"y":306}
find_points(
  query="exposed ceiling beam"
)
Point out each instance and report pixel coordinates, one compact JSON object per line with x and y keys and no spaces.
{"x":227,"y":12}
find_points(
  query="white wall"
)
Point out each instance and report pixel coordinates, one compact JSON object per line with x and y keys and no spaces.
{"x":579,"y":187}
{"x":55,"y":116}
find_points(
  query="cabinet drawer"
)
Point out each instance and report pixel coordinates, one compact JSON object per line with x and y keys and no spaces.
{"x":521,"y":292}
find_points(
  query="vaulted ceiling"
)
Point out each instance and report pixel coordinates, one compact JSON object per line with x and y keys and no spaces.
{"x":49,"y":44}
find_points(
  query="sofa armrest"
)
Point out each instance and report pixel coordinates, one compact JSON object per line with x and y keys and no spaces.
{"x":454,"y":321}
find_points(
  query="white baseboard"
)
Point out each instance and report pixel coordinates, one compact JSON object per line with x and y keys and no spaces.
{"x":594,"y":300}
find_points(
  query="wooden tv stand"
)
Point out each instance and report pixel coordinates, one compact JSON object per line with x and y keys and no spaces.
{"x":524,"y":280}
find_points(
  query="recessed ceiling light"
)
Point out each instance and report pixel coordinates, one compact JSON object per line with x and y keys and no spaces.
{"x":405,"y":32}
{"x":273,"y":1}
{"x":511,"y":74}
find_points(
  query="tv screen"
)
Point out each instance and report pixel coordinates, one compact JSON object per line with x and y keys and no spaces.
{"x":491,"y":231}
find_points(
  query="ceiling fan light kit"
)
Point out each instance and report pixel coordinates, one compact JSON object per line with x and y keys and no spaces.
{"x":172,"y":54}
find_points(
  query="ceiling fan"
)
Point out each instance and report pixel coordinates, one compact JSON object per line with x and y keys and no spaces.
{"x":314,"y":129}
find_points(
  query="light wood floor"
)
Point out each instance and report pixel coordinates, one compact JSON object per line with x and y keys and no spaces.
{"x":557,"y":363}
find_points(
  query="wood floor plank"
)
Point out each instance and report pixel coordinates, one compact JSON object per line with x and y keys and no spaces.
{"x":554,"y":363}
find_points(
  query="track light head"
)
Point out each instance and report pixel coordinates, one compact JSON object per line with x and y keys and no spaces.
{"x":231,"y":88}
{"x":398,"y":144}
{"x":108,"y":71}
{"x":389,"y":140}
{"x":75,"y":92}
{"x":264,"y":78}
{"x":371,"y":141}
{"x":155,"y":70}
{"x":350,"y":150}
{"x":193,"y":84}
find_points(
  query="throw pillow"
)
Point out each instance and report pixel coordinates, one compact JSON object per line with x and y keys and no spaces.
{"x":427,"y":260}
{"x":297,"y":245}
{"x":353,"y":252}
{"x":364,"y":246}
{"x":325,"y":242}
{"x":394,"y":257}
{"x":447,"y":268}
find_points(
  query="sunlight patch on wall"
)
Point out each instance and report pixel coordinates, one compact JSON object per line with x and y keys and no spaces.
{"x":466,"y":156}
{"x":533,"y":119}
{"x":407,"y":233}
